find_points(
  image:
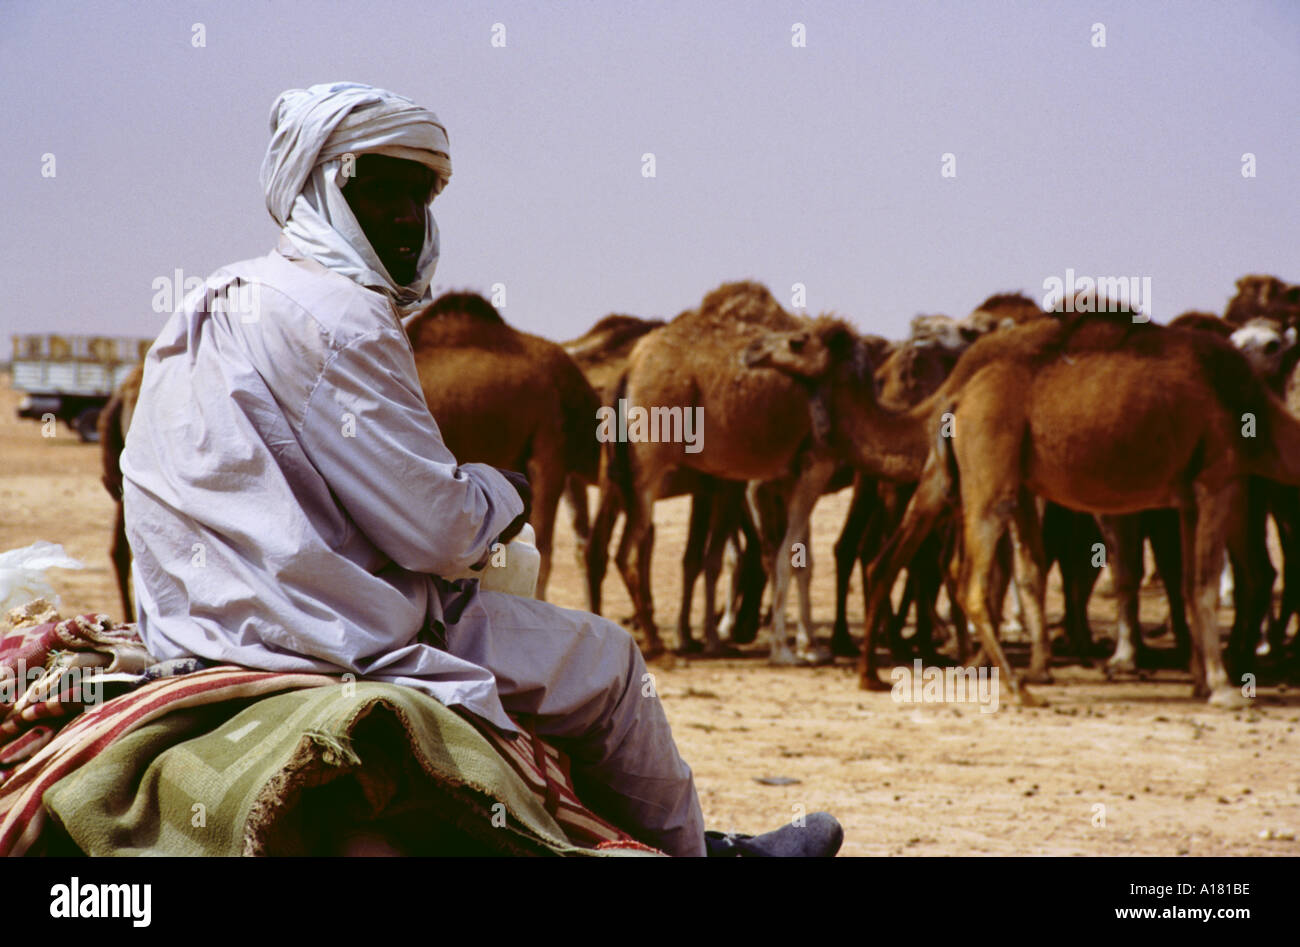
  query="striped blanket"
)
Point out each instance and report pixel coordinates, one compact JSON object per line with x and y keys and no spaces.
{"x":228,"y":760}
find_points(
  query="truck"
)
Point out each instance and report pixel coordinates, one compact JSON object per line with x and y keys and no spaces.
{"x":71,"y":377}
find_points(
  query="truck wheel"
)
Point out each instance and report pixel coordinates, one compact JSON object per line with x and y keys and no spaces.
{"x":86,"y":424}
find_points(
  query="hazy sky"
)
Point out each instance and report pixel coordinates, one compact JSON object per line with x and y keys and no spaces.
{"x":819,"y":165}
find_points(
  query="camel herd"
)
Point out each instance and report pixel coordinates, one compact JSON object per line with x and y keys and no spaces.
{"x":979,"y":449}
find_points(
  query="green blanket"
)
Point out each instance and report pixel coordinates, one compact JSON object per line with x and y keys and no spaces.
{"x":302,"y":773}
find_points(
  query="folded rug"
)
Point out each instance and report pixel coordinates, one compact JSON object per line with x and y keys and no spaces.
{"x":191,"y":761}
{"x":302,"y":772}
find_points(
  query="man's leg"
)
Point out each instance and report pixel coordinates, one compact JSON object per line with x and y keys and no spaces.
{"x":583,"y":680}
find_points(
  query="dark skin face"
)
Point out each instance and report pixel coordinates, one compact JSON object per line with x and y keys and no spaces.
{"x":388,"y":197}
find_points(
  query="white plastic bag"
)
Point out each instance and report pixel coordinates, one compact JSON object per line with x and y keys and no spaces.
{"x":22,"y":573}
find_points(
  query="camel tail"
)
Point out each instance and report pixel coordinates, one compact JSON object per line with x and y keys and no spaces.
{"x":618,"y":455}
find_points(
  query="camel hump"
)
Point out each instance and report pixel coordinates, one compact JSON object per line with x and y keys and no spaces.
{"x":1199,"y":321}
{"x":460,"y":305}
{"x":462,"y":319}
{"x":610,"y":335}
{"x":618,"y":324}
{"x":1016,"y":306}
{"x":746,"y":302}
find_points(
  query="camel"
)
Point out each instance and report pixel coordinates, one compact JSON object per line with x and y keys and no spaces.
{"x":717,"y":506}
{"x":757,"y":428}
{"x":1269,"y":344}
{"x":114,"y":422}
{"x":1095,"y":412}
{"x":1125,"y":536}
{"x":908,"y":373}
{"x":509,"y":399}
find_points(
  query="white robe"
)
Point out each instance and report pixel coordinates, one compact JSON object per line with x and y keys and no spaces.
{"x":288,"y":494}
{"x":289,"y":503}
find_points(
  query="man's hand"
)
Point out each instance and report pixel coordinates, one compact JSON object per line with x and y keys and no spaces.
{"x":520,"y":483}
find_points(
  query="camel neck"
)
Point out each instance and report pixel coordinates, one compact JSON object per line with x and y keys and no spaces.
{"x":888,"y":444}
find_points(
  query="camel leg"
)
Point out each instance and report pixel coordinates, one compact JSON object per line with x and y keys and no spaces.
{"x":803,"y":496}
{"x":1205,"y":523}
{"x":120,"y":553}
{"x":721,"y":527}
{"x":1161,"y":528}
{"x":1285,"y":506}
{"x":953,"y":584}
{"x":812,"y":651}
{"x":1123,"y":535}
{"x":894,"y":624}
{"x":919,"y":518}
{"x":748,"y":579}
{"x":848,"y":550}
{"x":548,"y":487}
{"x":1286,"y":514}
{"x":1031,"y":589}
{"x":1253,"y":590}
{"x":1000,"y":575}
{"x":1069,"y":538}
{"x":984,"y":527}
{"x":693,"y":563}
{"x":576,"y":493}
{"x":928,"y":582}
{"x":638,"y":535}
{"x":602,"y":528}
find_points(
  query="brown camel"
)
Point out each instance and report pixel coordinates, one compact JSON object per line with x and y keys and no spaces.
{"x":1094,"y":412}
{"x":717,"y":506}
{"x":907,"y":373}
{"x":1269,"y":344}
{"x":756,"y":427}
{"x":114,"y":422}
{"x":509,"y":399}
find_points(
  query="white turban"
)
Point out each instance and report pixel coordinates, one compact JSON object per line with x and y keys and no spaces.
{"x":311,"y":130}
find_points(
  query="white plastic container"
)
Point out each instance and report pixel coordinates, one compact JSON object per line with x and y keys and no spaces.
{"x":512,"y":570}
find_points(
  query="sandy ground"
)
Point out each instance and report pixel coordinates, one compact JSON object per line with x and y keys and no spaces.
{"x":1114,"y":768}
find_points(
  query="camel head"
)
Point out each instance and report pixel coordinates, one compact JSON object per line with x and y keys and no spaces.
{"x":811,"y":354}
{"x":999,"y":311}
{"x":981,"y":322}
{"x":1264,"y":296}
{"x":814,"y":357}
{"x":942,"y":331}
{"x":1265,"y":344}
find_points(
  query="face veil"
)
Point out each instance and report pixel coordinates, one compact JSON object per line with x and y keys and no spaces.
{"x":312,"y":132}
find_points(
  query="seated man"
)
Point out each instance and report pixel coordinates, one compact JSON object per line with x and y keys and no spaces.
{"x":291,"y":505}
